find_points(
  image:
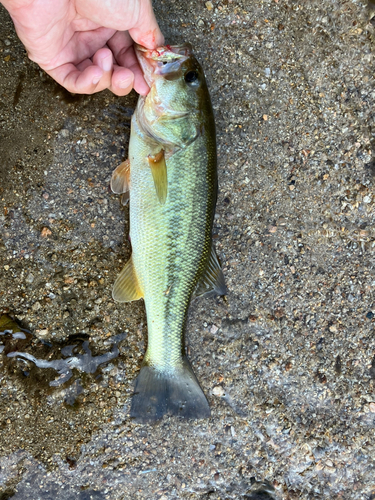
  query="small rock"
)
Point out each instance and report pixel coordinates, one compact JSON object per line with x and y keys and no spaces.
{"x":7,"y":42}
{"x":45,"y":232}
{"x":218,"y":391}
{"x":200,"y":22}
{"x":36,"y":306}
{"x":372,"y":407}
{"x":6,"y":267}
{"x":209,"y":6}
{"x":43,"y":332}
{"x":64,"y":132}
{"x":214,"y":329}
{"x":30,"y":278}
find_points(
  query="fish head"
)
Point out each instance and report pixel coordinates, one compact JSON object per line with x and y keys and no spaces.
{"x":173,"y":108}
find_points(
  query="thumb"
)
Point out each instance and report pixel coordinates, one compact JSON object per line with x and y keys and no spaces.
{"x":146,"y":31}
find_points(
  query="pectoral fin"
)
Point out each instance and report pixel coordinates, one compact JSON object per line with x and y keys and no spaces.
{"x":159,"y":174}
{"x":212,"y":281}
{"x":120,"y":178}
{"x":126,"y":287}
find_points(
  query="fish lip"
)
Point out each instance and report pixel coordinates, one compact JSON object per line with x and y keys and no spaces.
{"x":162,"y":60}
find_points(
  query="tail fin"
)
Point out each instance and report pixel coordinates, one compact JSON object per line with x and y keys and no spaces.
{"x":174,"y":392}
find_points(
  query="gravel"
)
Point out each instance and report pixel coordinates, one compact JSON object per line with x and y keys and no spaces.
{"x":288,"y":359}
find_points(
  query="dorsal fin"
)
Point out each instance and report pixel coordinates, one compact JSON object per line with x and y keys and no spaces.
{"x":126,"y":287}
{"x":159,"y":174}
{"x":120,"y":178}
{"x":212,"y":281}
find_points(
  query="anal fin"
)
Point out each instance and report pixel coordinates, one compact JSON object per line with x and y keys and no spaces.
{"x":120,"y":178}
{"x":126,"y":287}
{"x":159,"y":174}
{"x":212,"y":281}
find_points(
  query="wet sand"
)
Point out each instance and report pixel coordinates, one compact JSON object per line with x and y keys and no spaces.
{"x":288,"y":360}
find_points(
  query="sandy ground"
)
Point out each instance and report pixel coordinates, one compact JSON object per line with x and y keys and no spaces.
{"x":288,"y":361}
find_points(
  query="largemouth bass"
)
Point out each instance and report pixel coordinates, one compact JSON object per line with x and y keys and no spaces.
{"x":171,"y":180}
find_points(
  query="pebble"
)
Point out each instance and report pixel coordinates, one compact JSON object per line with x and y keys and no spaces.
{"x":209,"y":5}
{"x":218,"y":391}
{"x":7,"y":42}
{"x":64,"y":132}
{"x":45,"y":232}
{"x":30,"y":278}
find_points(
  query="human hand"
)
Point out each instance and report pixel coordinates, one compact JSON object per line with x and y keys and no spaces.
{"x":87,"y":45}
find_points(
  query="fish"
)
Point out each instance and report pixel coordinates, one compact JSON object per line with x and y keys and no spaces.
{"x":170,"y":182}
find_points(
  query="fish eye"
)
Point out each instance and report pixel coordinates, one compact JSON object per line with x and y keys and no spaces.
{"x":191,"y":77}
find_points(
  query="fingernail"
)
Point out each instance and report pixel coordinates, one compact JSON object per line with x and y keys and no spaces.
{"x":124,"y":83}
{"x":107,"y":63}
{"x":96,"y":80}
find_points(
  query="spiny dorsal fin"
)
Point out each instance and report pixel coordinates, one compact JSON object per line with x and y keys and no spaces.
{"x":120,"y":178}
{"x":126,"y":287}
{"x":212,"y":281}
{"x":159,"y":174}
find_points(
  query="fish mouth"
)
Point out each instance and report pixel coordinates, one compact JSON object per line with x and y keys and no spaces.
{"x":162,"y":60}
